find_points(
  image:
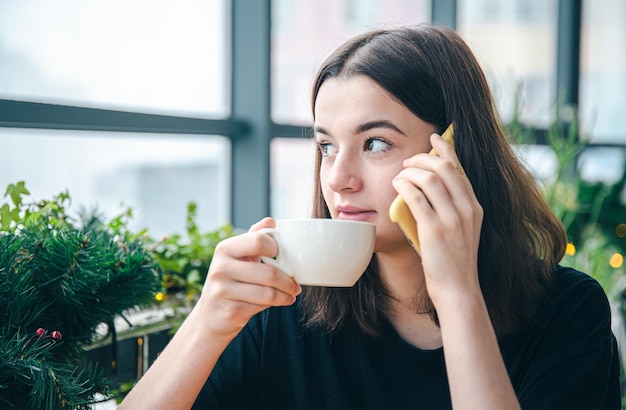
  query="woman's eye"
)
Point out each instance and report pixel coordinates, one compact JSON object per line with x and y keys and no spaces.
{"x":376,"y":145}
{"x":327,"y":149}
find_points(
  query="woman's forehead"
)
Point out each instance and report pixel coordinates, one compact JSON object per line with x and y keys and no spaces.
{"x":358,"y":103}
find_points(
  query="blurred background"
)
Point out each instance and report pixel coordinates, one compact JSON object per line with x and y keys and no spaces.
{"x":152,"y":104}
{"x":155,"y":105}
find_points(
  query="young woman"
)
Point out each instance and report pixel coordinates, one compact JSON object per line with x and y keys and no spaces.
{"x":482,"y":318}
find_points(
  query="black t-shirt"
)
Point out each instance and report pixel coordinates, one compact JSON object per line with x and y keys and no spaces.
{"x":567,"y":359}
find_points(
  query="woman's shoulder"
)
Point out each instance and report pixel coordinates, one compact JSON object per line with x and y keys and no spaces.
{"x":576,"y":288}
{"x":576,"y":306}
{"x":570,"y":340}
{"x":566,"y":277}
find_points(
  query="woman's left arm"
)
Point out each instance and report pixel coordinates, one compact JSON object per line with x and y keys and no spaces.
{"x":476,"y":372}
{"x":450,"y":218}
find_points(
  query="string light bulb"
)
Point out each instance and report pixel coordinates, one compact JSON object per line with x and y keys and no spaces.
{"x":617,"y":260}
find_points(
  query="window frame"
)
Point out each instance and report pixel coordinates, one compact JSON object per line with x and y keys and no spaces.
{"x":249,"y":126}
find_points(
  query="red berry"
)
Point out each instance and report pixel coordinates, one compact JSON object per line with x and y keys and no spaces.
{"x":56,"y":335}
{"x":40,"y":332}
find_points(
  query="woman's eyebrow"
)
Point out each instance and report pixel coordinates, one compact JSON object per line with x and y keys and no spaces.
{"x":319,"y":130}
{"x":370,"y":125}
{"x":377,"y":124}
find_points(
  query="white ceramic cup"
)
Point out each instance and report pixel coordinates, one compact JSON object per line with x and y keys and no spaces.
{"x":322,"y":252}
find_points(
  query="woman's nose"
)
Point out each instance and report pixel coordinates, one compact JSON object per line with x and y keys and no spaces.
{"x":345,"y":174}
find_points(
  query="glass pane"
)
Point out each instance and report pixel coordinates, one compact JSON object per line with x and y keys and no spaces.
{"x":291,"y":179}
{"x":540,"y":160}
{"x":142,"y":55}
{"x":304,"y":32}
{"x":155,"y":175}
{"x":602,"y":165}
{"x":603,"y":70}
{"x":594,"y":164}
{"x":516,"y":44}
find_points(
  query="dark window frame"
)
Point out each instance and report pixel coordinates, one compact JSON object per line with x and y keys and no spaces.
{"x":249,"y":126}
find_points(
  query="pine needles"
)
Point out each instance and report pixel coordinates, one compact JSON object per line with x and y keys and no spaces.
{"x":58,"y":281}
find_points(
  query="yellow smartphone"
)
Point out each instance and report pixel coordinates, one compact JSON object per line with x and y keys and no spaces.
{"x":399,"y":211}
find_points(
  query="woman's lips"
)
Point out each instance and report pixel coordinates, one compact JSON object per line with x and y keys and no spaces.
{"x":354,"y":214}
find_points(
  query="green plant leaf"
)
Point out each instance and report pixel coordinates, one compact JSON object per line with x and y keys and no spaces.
{"x":8,"y":215}
{"x":16,"y":191}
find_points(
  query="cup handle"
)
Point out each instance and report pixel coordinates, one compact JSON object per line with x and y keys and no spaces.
{"x":271,"y":261}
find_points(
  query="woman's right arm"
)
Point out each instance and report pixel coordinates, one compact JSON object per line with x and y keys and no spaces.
{"x":237,"y":287}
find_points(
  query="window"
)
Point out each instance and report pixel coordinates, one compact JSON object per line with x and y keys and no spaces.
{"x":540,"y":160}
{"x":144,"y":56}
{"x":292,"y":171}
{"x":602,"y":165}
{"x":360,"y":13}
{"x":140,"y":55}
{"x":316,"y":28}
{"x":517,"y":47}
{"x":156,"y":175}
{"x":603,"y":71}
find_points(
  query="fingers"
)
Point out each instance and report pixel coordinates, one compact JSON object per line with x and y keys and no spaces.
{"x":435,"y":213}
{"x":446,"y":159}
{"x":249,"y":246}
{"x":445,"y":190}
{"x":237,"y":271}
{"x":228,"y":305}
{"x":263,"y":223}
{"x":449,"y":217}
{"x":254,"y":283}
{"x":234,"y":292}
{"x":445,"y":165}
{"x":441,"y":147}
{"x":438,"y":192}
{"x":239,"y":259}
{"x":239,"y":286}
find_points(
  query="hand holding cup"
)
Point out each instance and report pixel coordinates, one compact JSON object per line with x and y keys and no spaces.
{"x":322,"y":252}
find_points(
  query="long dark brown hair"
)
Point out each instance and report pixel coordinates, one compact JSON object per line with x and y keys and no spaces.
{"x":432,"y":72}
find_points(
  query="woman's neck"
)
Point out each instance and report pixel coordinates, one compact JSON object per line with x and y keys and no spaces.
{"x":403,"y":279}
{"x":402,"y":276}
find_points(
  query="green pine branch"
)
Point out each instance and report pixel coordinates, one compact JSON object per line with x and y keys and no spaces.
{"x":61,"y":278}
{"x":31,"y":379}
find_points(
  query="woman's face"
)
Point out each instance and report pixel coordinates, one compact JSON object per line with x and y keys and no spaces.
{"x":364,"y":135}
